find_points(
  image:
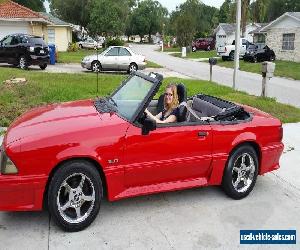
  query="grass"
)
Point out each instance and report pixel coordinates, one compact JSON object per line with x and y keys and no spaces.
{"x":282,"y":68}
{"x":43,"y":88}
{"x":199,"y":54}
{"x":76,"y":57}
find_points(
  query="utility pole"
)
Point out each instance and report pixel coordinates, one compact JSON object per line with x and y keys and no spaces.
{"x":237,"y":42}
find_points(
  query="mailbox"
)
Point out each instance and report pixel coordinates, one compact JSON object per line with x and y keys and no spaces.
{"x":212,"y":61}
{"x":267,"y":69}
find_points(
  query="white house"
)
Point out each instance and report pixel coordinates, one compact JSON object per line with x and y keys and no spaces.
{"x":225,"y":33}
{"x":283,"y":36}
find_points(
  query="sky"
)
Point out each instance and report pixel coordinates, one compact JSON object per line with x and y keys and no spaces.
{"x":171,"y":4}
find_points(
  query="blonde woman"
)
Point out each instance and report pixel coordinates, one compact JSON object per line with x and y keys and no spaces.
{"x":170,"y":112}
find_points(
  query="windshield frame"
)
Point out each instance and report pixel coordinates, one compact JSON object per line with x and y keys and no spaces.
{"x":156,"y":82}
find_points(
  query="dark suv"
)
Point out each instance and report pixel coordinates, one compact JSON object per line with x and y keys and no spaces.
{"x":24,"y":50}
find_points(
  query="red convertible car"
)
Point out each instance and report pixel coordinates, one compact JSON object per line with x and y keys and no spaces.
{"x":68,"y":156}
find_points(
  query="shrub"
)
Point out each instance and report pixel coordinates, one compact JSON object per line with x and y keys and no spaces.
{"x":73,"y":47}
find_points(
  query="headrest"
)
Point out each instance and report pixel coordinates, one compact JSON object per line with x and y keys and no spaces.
{"x":181,"y":91}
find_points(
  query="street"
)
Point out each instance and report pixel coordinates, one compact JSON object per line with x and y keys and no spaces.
{"x":284,"y":90}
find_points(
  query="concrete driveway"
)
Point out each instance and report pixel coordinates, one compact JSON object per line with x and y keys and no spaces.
{"x":201,"y":218}
{"x":284,"y":90}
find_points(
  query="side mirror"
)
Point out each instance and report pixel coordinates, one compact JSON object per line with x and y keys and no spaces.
{"x":148,"y":125}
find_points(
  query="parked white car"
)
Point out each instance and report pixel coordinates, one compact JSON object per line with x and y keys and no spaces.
{"x":89,"y":43}
{"x":227,"y":51}
{"x":115,"y":58}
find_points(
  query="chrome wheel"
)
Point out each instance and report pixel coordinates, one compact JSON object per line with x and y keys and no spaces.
{"x":23,"y":63}
{"x":76,"y":198}
{"x":132,"y":67}
{"x":243,"y":172}
{"x":96,"y":67}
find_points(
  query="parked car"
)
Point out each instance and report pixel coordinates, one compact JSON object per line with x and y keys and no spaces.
{"x":72,"y":154}
{"x":227,"y":51}
{"x":114,"y":58}
{"x":24,"y":50}
{"x":254,"y":54}
{"x":89,"y":43}
{"x":203,"y":44}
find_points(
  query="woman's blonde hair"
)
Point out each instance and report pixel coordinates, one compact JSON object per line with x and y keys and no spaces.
{"x":175,"y":101}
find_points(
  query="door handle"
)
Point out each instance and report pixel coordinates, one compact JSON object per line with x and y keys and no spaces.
{"x":202,"y":134}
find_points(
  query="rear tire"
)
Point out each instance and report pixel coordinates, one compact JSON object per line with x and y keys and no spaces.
{"x":74,"y":195}
{"x":23,"y":63}
{"x":255,"y":59}
{"x":241,"y":172}
{"x":231,"y":55}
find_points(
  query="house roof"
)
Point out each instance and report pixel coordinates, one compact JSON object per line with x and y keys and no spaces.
{"x":54,"y":20}
{"x":14,"y":11}
{"x":294,"y":15}
{"x":262,"y":25}
{"x":229,"y":28}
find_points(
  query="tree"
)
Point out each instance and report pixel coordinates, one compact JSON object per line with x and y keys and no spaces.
{"x":148,"y":18}
{"x":73,"y":11}
{"x":109,"y":17}
{"x":35,"y":5}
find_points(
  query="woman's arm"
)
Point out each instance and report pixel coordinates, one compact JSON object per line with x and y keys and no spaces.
{"x":171,"y":118}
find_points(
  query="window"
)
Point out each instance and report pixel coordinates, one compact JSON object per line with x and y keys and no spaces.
{"x":15,"y":40}
{"x":51,"y":35}
{"x":113,"y":52}
{"x":7,"y":40}
{"x":124,"y":52}
{"x":288,"y":41}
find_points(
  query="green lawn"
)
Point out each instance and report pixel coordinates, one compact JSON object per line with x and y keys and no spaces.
{"x":282,"y":68}
{"x":43,"y":88}
{"x":199,"y":54}
{"x":76,"y":57}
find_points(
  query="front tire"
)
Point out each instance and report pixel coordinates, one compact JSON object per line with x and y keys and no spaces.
{"x":23,"y":63}
{"x":43,"y":66}
{"x":74,"y":195}
{"x":241,"y":172}
{"x":194,"y":49}
{"x":96,"y":66}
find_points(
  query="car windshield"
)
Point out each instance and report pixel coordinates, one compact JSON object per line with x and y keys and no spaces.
{"x":130,"y":96}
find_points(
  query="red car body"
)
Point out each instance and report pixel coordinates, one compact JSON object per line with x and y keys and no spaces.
{"x":169,"y":158}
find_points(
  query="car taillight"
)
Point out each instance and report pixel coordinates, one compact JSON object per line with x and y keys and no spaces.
{"x":280,"y":133}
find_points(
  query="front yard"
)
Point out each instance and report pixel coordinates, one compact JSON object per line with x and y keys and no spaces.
{"x":44,"y":88}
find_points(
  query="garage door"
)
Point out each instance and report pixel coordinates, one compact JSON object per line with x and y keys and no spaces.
{"x":7,"y":28}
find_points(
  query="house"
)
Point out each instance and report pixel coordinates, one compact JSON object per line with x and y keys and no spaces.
{"x":58,"y":32}
{"x":225,"y":33}
{"x":283,"y":36}
{"x":15,"y":18}
{"x":259,"y":37}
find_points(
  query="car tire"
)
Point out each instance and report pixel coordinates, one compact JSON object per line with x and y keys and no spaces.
{"x":132,"y":67}
{"x":272,"y":58}
{"x":74,"y":195}
{"x":23,"y":63}
{"x":224,"y":58}
{"x":43,"y":66}
{"x":231,"y":55}
{"x":255,"y":59}
{"x":194,"y":49}
{"x":96,"y":66}
{"x":241,"y":172}
{"x":208,"y":48}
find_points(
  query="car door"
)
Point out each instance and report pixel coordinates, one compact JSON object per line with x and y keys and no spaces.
{"x":4,"y":52}
{"x":13,"y":50}
{"x":168,"y":154}
{"x":110,"y":59}
{"x":124,"y":59}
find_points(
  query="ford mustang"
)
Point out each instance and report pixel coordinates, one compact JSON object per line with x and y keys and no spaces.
{"x":68,"y":156}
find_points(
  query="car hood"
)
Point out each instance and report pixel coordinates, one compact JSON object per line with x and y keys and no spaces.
{"x":59,"y":119}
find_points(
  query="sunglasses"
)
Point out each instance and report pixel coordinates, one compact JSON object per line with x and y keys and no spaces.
{"x":168,"y":94}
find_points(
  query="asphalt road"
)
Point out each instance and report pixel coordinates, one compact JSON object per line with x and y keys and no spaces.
{"x":201,"y":218}
{"x":284,"y":90}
